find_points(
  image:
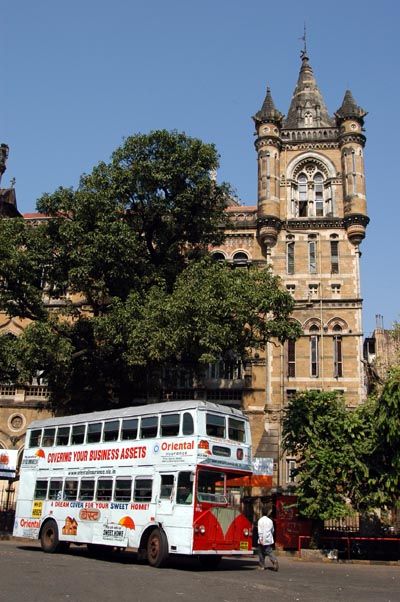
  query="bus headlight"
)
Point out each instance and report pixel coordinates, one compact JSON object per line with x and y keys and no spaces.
{"x":246,"y":532}
{"x":200,"y":529}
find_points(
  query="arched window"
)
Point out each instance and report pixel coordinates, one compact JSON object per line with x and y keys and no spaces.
{"x":314,"y":351}
{"x":337,"y":351}
{"x":303,"y":200}
{"x":318,"y":195}
{"x":311,"y":192}
{"x":240,"y":259}
{"x":218,"y":256}
{"x":308,"y":118}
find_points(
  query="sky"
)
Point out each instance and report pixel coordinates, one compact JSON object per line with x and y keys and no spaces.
{"x":79,"y":76}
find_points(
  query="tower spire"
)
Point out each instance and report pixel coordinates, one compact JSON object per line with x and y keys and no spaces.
{"x":307,"y":108}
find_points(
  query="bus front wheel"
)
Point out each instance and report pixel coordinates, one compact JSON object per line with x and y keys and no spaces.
{"x":157,"y":548}
{"x":49,"y":537}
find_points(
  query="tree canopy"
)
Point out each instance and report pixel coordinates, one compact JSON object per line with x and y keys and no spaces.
{"x":330,"y":444}
{"x":116,"y":282}
{"x":346,"y":459}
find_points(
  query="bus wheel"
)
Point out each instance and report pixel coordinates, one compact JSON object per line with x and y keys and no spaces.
{"x":157,"y":548}
{"x":49,"y":537}
{"x":210,"y":562}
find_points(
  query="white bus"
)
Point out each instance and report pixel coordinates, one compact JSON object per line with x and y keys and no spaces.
{"x":158,"y":479}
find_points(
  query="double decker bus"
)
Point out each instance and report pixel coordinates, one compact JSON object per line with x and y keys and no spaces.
{"x":159,"y":479}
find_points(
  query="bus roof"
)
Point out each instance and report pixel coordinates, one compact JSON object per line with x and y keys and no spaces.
{"x":135,"y":411}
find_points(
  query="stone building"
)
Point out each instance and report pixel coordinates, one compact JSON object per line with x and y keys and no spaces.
{"x":381,"y":352}
{"x":308,"y":223}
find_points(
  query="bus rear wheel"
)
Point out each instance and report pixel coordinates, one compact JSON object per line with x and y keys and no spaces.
{"x":49,"y":537}
{"x":157,"y":548}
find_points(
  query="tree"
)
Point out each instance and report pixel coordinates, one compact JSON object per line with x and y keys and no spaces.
{"x":383,"y":414}
{"x":113,"y":283}
{"x":331,"y":446}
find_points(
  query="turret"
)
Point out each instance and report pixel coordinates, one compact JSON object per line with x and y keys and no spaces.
{"x":350,"y":120}
{"x":268,"y":122}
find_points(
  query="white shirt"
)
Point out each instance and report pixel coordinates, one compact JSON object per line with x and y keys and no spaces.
{"x":265,"y":531}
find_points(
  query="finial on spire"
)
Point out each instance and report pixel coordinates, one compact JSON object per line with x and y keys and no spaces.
{"x":304,"y":38}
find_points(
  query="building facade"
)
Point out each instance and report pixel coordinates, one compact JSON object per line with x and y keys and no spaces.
{"x":307,"y":225}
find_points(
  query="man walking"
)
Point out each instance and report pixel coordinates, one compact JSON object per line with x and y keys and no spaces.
{"x":265,"y":541}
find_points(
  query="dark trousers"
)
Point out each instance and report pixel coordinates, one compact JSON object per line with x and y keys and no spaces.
{"x":264,"y":551}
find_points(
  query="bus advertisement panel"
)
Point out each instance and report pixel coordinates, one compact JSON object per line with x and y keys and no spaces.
{"x":155,"y":479}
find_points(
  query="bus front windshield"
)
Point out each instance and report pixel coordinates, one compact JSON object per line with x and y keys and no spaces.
{"x":212,"y":486}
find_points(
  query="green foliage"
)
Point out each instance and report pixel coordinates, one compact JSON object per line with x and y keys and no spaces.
{"x":212,"y":310}
{"x":331,"y":445}
{"x":115,"y":283}
{"x":383,"y":414}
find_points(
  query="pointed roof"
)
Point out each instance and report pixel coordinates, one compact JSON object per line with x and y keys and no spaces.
{"x":307,"y":108}
{"x":268,"y":111}
{"x":350,"y":109}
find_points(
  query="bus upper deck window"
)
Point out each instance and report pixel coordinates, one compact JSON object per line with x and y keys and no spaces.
{"x":187,"y":424}
{"x":111,"y":430}
{"x":78,"y":434}
{"x":62,"y":435}
{"x":236,"y":429}
{"x":93,"y":432}
{"x":35,"y":438}
{"x":48,"y":437}
{"x":170,"y":425}
{"x":215,"y":425}
{"x":129,"y":429}
{"x":149,"y":427}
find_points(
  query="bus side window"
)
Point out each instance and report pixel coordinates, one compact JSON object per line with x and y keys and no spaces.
{"x":48,"y":437}
{"x":143,"y":490}
{"x":104,"y":490}
{"x":167,"y":486}
{"x":78,"y":434}
{"x":215,"y":425}
{"x":187,"y":424}
{"x":149,"y":427}
{"x":40,"y":489}
{"x":236,"y":429}
{"x":170,"y":425}
{"x":185,"y":488}
{"x":55,"y":489}
{"x":62,"y":435}
{"x":35,"y":438}
{"x":86,"y":491}
{"x":129,"y":429}
{"x":111,"y":430}
{"x":93,"y":432}
{"x":70,"y":490}
{"x":123,"y":489}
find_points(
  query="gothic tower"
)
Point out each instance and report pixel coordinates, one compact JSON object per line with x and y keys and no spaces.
{"x":311,"y":219}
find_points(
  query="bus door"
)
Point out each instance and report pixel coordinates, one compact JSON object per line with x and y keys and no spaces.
{"x":166,"y":495}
